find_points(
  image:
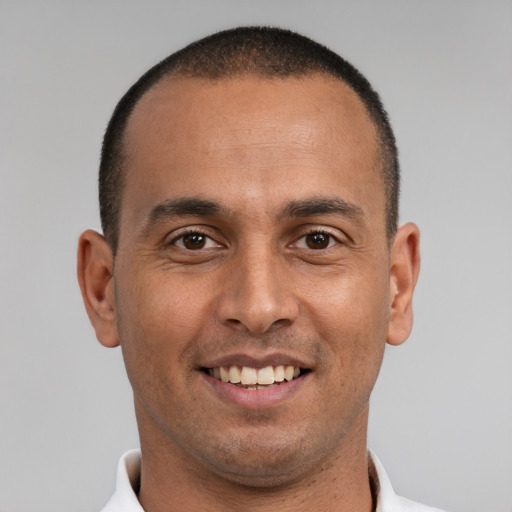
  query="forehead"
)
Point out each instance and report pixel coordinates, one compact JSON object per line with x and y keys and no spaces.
{"x":204,"y":108}
{"x":256,"y":133}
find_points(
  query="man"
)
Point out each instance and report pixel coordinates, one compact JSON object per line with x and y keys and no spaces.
{"x":252,"y":271}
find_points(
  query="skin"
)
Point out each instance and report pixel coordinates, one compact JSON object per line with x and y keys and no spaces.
{"x":260,"y":150}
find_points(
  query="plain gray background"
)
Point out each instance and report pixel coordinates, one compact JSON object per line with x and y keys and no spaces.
{"x":441,"y":416}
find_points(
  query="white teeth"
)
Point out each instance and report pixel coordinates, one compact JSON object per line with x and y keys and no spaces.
{"x":255,"y":378}
{"x":224,"y":374}
{"x":288,"y":372}
{"x":249,"y":376}
{"x":279,"y":374}
{"x":234,"y":374}
{"x":266,"y":375}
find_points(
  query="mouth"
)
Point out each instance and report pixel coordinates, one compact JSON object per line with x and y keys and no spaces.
{"x":248,"y":377}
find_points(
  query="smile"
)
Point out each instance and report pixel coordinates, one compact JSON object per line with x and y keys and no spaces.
{"x":255,"y":378}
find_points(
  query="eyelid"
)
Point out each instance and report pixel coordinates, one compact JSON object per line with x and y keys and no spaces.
{"x":190,"y":230}
{"x":336,"y":234}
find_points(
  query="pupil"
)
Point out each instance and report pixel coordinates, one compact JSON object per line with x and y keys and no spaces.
{"x":194,"y":241}
{"x":317,"y":241}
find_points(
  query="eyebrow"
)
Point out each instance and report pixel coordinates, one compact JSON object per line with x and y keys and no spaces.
{"x":322,"y":206}
{"x":195,"y":206}
{"x":185,"y":206}
{"x":182,"y":207}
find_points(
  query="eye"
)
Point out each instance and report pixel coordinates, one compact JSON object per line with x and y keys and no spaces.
{"x":194,"y":241}
{"x":316,"y":240}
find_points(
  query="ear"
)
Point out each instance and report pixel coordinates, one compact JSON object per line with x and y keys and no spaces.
{"x":404,"y":270}
{"x":95,"y":276}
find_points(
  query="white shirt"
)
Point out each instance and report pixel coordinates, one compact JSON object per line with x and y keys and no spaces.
{"x":128,"y":475}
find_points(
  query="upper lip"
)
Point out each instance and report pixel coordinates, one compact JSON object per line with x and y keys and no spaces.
{"x":257,"y":360}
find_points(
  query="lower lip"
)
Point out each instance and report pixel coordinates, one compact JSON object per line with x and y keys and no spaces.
{"x":256,"y":398}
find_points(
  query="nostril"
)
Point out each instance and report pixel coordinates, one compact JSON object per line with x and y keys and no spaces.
{"x":283,"y":322}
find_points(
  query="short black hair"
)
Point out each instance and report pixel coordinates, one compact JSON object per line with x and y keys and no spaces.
{"x":261,"y":51}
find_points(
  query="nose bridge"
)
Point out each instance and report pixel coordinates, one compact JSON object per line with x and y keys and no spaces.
{"x":256,"y":295}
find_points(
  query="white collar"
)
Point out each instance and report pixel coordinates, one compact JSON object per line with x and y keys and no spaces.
{"x":128,"y":475}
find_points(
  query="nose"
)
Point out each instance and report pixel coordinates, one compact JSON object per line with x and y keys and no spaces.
{"x":257,"y":294}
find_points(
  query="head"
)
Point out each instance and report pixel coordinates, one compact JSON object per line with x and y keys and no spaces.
{"x":255,"y":244}
{"x":250,"y":51}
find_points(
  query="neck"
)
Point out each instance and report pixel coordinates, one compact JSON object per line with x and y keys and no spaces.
{"x":172,"y":481}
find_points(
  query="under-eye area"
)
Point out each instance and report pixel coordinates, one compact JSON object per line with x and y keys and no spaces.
{"x":256,"y":378}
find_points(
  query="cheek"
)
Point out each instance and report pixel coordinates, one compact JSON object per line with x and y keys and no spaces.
{"x":355,"y":299}
{"x":157,"y":319}
{"x":351,"y":313}
{"x":162,"y":303}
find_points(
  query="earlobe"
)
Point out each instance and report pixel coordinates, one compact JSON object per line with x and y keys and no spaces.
{"x":95,"y":276}
{"x":404,"y":270}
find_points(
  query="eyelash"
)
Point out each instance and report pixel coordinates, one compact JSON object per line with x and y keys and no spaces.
{"x":330,"y":239}
{"x":190,"y":232}
{"x":329,"y":236}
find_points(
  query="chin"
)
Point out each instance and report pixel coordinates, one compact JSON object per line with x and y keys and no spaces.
{"x":265,"y":462}
{"x":262,"y":474}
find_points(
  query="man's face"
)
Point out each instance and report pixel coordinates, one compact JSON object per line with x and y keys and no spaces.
{"x":253,"y":236}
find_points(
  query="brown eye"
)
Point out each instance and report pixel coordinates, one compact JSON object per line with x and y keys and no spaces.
{"x":194,"y":241}
{"x":318,"y":240}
